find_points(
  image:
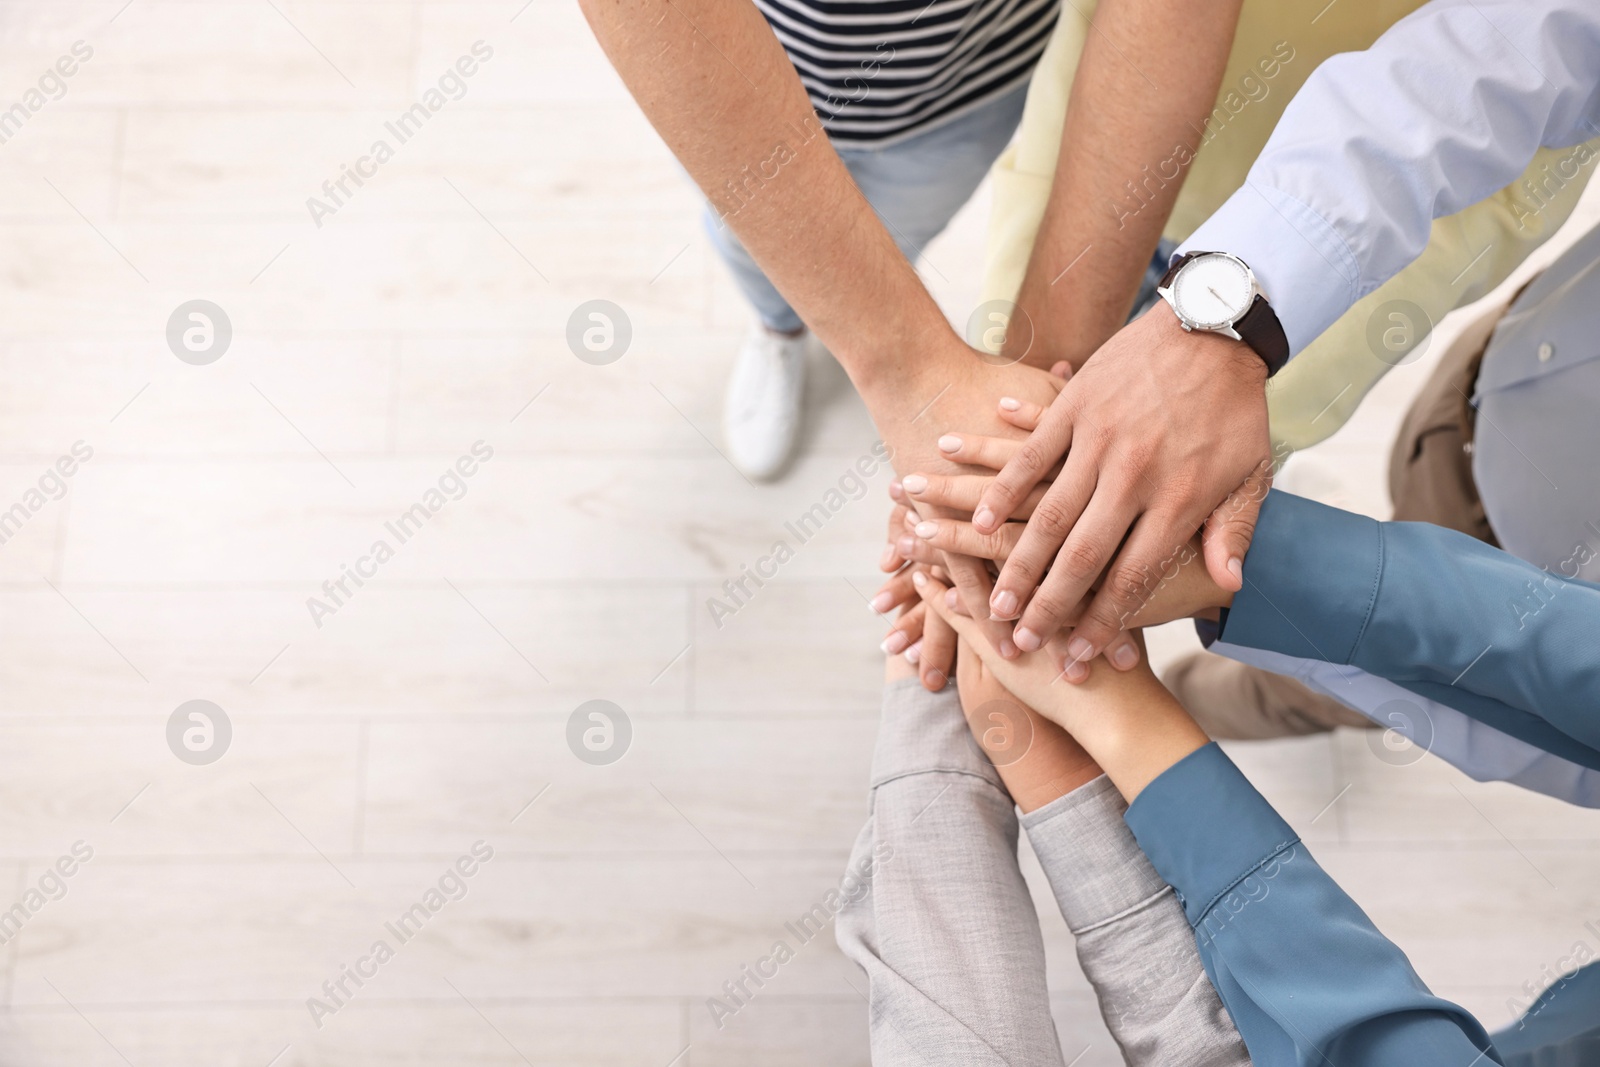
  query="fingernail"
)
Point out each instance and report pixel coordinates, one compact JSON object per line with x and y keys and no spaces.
{"x":1079,"y":649}
{"x":915,"y":483}
{"x":894,"y":489}
{"x":1236,"y":568}
{"x":895,"y":643}
{"x":914,"y":653}
{"x":983,"y":518}
{"x":919,"y":579}
{"x":926,"y":530}
{"x":949,"y":443}
{"x":950,"y":598}
{"x":882,"y":603}
{"x":1003,"y":603}
{"x":1027,"y":640}
{"x":1076,"y":672}
{"x":906,"y":546}
{"x":1010,"y":404}
{"x":1007,"y":649}
{"x":1123,"y":657}
{"x":934,"y":680}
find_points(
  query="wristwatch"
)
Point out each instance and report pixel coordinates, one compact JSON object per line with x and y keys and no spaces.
{"x":1216,"y":292}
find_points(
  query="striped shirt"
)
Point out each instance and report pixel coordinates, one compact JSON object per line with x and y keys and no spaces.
{"x":877,"y":70}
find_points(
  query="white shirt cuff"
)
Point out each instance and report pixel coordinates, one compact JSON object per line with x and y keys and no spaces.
{"x":1306,"y":271}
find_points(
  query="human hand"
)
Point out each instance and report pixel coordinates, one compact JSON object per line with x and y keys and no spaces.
{"x":1181,"y":587}
{"x":927,"y":642}
{"x":907,"y":542}
{"x":1037,"y":760}
{"x":1125,"y":721}
{"x":1164,"y":427}
{"x":953,"y":386}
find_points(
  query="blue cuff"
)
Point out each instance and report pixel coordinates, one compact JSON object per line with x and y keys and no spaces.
{"x":1310,"y":580}
{"x":1206,"y":829}
{"x":1307,"y":272}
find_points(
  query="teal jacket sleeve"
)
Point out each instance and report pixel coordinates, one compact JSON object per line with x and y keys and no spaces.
{"x":1303,"y":972}
{"x":1430,"y":609}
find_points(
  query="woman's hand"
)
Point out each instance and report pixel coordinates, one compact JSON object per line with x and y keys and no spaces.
{"x":1037,"y":760}
{"x":927,"y":643}
{"x":1126,"y":720}
{"x":1173,"y":589}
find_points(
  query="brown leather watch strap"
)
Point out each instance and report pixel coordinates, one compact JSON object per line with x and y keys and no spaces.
{"x":1177,"y":265}
{"x":1260,"y":329}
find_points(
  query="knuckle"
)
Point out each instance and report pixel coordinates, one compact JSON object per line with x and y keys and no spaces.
{"x":1138,"y":455}
{"x":1080,"y":560}
{"x":1052,"y":516}
{"x":1032,"y":456}
{"x":1129,"y":583}
{"x":1048,"y":606}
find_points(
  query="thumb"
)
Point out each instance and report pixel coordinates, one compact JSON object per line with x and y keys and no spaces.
{"x":1227,"y":534}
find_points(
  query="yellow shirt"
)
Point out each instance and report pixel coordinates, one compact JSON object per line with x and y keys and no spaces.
{"x":1277,"y":46}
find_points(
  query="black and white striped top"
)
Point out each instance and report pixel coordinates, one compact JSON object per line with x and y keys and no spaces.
{"x":879,"y":69}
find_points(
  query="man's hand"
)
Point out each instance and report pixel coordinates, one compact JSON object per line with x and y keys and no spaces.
{"x":1158,"y":429}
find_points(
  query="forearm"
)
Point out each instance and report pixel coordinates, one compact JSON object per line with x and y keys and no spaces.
{"x":1127,"y":722}
{"x":718,"y":88}
{"x":1139,"y":103}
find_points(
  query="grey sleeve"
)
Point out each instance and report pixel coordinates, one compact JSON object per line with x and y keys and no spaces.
{"x":939,"y":918}
{"x":1134,"y":944}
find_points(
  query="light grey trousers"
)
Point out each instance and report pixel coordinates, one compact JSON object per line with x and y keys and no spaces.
{"x":947,"y":933}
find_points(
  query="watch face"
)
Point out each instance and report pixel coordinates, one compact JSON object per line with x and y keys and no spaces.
{"x":1212,"y":290}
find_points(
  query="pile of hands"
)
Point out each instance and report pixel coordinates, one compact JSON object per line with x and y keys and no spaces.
{"x":1026,"y":532}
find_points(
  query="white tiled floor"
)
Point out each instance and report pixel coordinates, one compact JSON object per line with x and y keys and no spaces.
{"x":368,"y":753}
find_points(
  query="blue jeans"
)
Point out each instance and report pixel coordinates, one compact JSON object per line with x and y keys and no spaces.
{"x":915,"y":185}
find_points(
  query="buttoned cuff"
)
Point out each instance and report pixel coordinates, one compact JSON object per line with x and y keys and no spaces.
{"x":1206,"y":829}
{"x":1310,"y":581}
{"x":1306,"y":270}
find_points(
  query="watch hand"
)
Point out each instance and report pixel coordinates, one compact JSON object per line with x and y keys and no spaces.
{"x":1216,"y":294}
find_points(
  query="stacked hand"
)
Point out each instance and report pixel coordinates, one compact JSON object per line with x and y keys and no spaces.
{"x":952,"y":386}
{"x":1162,"y":431}
{"x":1178,"y":586}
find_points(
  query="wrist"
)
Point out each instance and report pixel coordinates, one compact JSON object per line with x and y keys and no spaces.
{"x":893,"y":348}
{"x":906,"y":372}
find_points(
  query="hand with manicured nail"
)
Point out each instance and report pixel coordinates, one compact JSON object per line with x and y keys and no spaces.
{"x":1179,"y":586}
{"x":1158,"y":431}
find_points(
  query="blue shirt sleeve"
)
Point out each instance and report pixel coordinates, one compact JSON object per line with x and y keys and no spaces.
{"x":1433,"y":610}
{"x":1303,"y":972}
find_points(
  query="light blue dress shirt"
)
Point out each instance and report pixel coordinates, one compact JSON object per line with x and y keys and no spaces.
{"x":1442,"y":110}
{"x":1448,"y":106}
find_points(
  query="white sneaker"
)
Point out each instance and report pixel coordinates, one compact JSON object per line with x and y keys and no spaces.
{"x":761,"y":419}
